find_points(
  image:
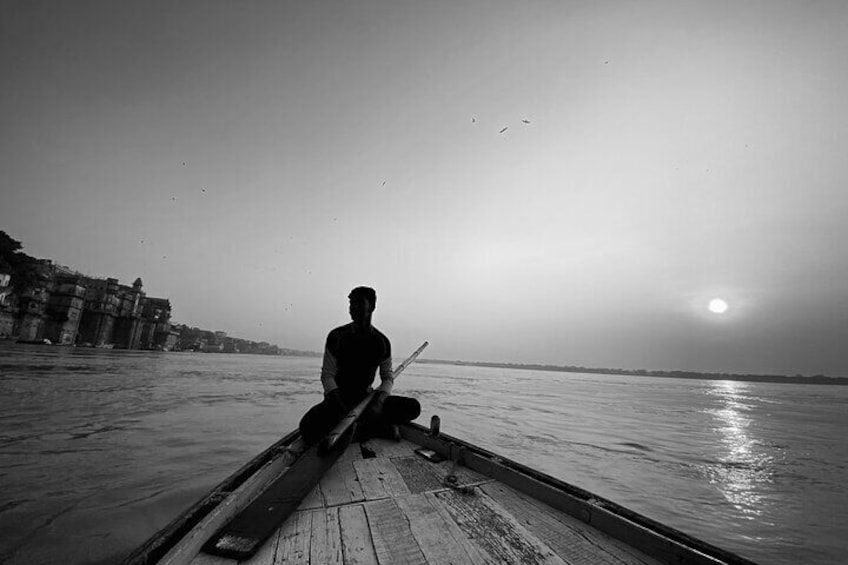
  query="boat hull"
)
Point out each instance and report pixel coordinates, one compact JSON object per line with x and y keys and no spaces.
{"x":487,"y":508}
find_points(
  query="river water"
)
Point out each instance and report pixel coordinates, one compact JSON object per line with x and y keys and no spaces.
{"x":100,"y":449}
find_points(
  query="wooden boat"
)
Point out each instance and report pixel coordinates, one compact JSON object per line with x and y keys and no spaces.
{"x":383,"y":502}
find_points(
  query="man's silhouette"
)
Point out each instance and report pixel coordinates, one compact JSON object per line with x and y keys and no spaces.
{"x":352,"y":355}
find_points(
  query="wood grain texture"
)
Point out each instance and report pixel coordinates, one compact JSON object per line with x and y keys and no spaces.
{"x":295,"y":537}
{"x":464,"y":475}
{"x":326,"y":545}
{"x":418,"y":474}
{"x":571,"y":539}
{"x":391,"y":448}
{"x":393,"y":539}
{"x":266,"y":554}
{"x":205,"y":559}
{"x":340,"y":485}
{"x":494,"y":531}
{"x":639,"y":537}
{"x":438,"y":536}
{"x":421,"y":475}
{"x":315,"y":499}
{"x":379,"y":478}
{"x":357,"y":546}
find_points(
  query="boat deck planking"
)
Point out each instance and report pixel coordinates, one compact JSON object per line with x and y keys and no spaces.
{"x":394,"y":507}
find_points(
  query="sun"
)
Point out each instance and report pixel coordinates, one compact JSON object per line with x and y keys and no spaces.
{"x":717,"y":306}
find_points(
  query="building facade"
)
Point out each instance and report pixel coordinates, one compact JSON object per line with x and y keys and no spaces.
{"x":156,"y":332}
{"x":7,"y":311}
{"x":63,"y":309}
{"x":68,"y":308}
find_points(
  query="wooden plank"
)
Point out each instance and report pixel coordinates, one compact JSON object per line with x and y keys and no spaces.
{"x":390,"y":448}
{"x":379,"y":479}
{"x":295,"y":536}
{"x":421,"y":475}
{"x":438,"y":536}
{"x":653,"y":538}
{"x":265,"y":555}
{"x":326,"y":545}
{"x":393,"y":539}
{"x":571,"y":539}
{"x":204,"y":559}
{"x":340,"y":484}
{"x":357,"y":545}
{"x":313,"y":500}
{"x":418,"y":474}
{"x":494,"y":531}
{"x":464,"y":475}
{"x":647,"y":541}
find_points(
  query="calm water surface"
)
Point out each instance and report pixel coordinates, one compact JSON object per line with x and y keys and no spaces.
{"x":99,"y":449}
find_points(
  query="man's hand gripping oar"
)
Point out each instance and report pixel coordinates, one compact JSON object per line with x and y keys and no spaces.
{"x":331,"y":439}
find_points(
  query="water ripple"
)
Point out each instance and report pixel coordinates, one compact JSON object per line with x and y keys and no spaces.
{"x":138,"y":434}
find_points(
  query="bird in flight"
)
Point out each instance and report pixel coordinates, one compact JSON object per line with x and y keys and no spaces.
{"x":504,"y":129}
{"x":473,"y":120}
{"x":525,"y":121}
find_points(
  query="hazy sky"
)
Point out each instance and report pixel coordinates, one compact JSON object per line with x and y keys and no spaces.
{"x":255,"y":161}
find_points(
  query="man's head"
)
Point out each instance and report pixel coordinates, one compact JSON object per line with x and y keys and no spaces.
{"x":363,"y":300}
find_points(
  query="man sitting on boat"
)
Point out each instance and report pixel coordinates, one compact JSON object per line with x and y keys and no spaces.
{"x":352,"y":354}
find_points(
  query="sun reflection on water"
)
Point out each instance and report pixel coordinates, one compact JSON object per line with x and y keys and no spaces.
{"x":742,"y":466}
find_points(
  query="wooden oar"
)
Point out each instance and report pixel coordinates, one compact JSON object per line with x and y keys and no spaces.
{"x":332,"y":438}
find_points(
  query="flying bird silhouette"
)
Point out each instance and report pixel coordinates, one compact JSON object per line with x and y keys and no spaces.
{"x":504,"y":129}
{"x":525,"y":121}
{"x":473,"y":120}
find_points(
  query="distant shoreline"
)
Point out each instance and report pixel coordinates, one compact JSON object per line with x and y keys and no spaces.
{"x":797,"y":379}
{"x":785,"y":379}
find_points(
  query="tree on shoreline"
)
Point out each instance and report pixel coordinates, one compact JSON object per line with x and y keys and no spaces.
{"x":23,"y":268}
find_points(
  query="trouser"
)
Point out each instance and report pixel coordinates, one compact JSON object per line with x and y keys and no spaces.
{"x":322,"y":418}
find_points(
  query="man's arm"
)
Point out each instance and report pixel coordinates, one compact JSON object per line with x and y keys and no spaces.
{"x":329,"y":368}
{"x":383,"y":391}
{"x":386,"y":377}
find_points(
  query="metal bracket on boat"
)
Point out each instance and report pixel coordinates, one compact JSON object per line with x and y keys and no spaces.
{"x":451,"y":480}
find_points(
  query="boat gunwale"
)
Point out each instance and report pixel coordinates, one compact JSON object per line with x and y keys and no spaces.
{"x":682,"y":545}
{"x":589,"y":501}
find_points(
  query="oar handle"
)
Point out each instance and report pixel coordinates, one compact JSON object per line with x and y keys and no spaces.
{"x":333,"y":437}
